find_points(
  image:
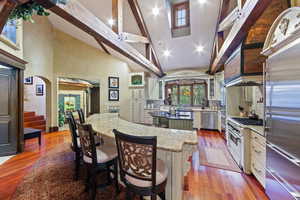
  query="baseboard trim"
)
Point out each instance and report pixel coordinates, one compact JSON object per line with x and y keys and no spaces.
{"x":53,"y":129}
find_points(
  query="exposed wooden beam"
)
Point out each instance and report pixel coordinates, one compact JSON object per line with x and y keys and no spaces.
{"x":117,"y":15}
{"x":6,"y":7}
{"x":82,"y":18}
{"x":251,"y":11}
{"x":240,"y":4}
{"x":148,"y":52}
{"x":224,"y":9}
{"x":102,"y":45}
{"x":229,"y":20}
{"x":133,"y":38}
{"x":143,"y":28}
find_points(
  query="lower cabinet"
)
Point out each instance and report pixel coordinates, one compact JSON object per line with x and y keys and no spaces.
{"x":258,"y":157}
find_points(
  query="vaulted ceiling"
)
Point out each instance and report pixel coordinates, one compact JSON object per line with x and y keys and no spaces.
{"x":183,"y":55}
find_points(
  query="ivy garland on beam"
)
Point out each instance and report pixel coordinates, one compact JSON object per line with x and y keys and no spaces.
{"x":27,"y":10}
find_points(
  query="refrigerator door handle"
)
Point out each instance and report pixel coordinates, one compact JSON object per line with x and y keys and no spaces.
{"x":288,"y":157}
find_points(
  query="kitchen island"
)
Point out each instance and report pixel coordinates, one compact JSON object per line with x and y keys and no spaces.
{"x":174,"y":147}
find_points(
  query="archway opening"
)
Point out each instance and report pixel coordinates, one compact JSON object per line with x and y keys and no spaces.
{"x":37,"y":103}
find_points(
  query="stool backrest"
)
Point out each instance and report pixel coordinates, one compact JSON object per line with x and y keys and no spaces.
{"x":73,"y":128}
{"x":137,"y":157}
{"x":87,"y":141}
{"x":81,"y":116}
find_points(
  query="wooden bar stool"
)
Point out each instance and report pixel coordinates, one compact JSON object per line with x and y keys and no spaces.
{"x":75,"y":145}
{"x":102,"y":158}
{"x":140,"y":171}
{"x":81,"y":116}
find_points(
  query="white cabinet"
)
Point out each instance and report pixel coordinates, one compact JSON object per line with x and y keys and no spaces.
{"x":153,"y":88}
{"x":258,"y":157}
{"x":137,"y":105}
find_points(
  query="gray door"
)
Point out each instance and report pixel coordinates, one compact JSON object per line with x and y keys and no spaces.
{"x":8,"y":110}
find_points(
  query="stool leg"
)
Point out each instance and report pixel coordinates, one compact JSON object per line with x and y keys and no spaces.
{"x":40,"y":140}
{"x":162,"y":195}
{"x":87,"y":180}
{"x":128,"y":195}
{"x":116,"y":176}
{"x":153,"y":197}
{"x":77,"y":165}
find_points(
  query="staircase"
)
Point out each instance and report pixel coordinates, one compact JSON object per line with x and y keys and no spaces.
{"x":34,"y":121}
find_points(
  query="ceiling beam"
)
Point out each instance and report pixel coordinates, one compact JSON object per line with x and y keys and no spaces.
{"x":76,"y":14}
{"x":117,"y":16}
{"x":6,"y":7}
{"x":136,"y":10}
{"x":133,"y":38}
{"x":229,"y":19}
{"x":251,"y":11}
{"x":102,"y":45}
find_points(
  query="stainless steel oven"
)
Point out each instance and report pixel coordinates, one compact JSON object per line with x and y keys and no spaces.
{"x":235,"y":142}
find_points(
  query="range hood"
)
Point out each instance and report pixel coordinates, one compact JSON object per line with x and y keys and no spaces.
{"x":246,"y":81}
{"x":245,"y":66}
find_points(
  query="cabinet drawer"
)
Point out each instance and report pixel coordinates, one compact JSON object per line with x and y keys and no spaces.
{"x":259,"y":172}
{"x":258,"y":138}
{"x":258,"y":153}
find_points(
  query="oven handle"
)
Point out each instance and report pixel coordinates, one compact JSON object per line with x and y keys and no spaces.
{"x":236,"y":136}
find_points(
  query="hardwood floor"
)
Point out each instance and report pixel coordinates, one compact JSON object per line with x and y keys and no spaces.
{"x":203,"y":183}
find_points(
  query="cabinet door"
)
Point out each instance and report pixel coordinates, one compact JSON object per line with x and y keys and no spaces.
{"x":8,"y":111}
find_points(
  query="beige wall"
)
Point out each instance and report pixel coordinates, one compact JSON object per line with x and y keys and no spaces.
{"x":52,"y":54}
{"x":38,"y":52}
{"x":75,"y":59}
{"x":32,"y":102}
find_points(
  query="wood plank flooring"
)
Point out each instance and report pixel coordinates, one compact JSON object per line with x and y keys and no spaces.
{"x":203,"y":183}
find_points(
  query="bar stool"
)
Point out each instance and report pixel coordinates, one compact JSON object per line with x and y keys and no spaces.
{"x":98,"y":159}
{"x":140,"y":171}
{"x":81,"y":116}
{"x":75,"y":145}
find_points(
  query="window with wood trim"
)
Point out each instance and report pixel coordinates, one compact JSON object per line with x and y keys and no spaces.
{"x":181,"y":15}
{"x":187,"y":92}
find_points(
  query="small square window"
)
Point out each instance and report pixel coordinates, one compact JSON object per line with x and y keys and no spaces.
{"x":180,"y":15}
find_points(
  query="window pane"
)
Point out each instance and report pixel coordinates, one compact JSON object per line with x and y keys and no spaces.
{"x":185,"y":95}
{"x":174,"y":95}
{"x":181,"y":17}
{"x":199,"y":92}
{"x":10,"y":30}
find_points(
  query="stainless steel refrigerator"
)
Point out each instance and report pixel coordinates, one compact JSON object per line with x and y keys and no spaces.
{"x":282,"y":127}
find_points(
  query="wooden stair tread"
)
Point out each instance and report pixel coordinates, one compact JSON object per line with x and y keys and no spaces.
{"x":31,"y":120}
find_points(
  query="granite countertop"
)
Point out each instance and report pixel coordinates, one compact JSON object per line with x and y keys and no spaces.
{"x":171,"y":116}
{"x":257,"y":129}
{"x":167,"y":139}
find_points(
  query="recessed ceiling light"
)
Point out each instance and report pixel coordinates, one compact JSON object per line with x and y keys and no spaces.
{"x":167,"y":53}
{"x":155,"y":11}
{"x":202,"y":1}
{"x":111,"y":21}
{"x":199,"y":48}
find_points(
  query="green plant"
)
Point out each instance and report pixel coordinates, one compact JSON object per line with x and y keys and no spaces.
{"x":27,"y":10}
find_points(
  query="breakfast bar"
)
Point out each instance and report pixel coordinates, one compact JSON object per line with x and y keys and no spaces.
{"x":174,"y":146}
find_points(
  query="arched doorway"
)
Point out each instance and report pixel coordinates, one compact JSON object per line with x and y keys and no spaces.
{"x":37,"y":103}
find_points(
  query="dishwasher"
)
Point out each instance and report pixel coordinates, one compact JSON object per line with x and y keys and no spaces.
{"x":209,"y":120}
